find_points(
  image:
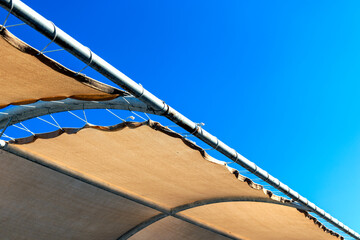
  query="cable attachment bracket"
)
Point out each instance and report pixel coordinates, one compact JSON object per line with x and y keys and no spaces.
{"x":55,"y":35}
{"x":90,"y":62}
{"x":142,"y":91}
{"x":196,"y":129}
{"x":11,"y":8}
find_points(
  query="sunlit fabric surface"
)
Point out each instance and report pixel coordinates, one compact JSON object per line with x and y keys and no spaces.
{"x":27,"y":76}
{"x":162,"y":186}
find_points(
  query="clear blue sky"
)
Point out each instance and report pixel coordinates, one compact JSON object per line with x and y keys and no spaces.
{"x":276,"y":80}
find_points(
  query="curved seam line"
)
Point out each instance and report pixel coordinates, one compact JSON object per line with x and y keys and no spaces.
{"x":39,"y":161}
{"x":176,"y":210}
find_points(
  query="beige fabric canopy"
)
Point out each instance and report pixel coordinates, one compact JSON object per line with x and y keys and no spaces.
{"x":27,"y":76}
{"x":136,"y":181}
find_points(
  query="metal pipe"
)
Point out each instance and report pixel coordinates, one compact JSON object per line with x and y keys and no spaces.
{"x":38,"y":109}
{"x":44,"y":26}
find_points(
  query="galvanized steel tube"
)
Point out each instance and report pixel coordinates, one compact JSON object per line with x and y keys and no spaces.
{"x":21,"y":113}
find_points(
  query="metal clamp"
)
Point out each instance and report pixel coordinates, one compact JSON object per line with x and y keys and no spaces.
{"x":236,"y":156}
{"x":217,"y":144}
{"x":11,"y":8}
{"x":142,"y":91}
{"x":91,"y":59}
{"x":196,"y":129}
{"x":55,"y":35}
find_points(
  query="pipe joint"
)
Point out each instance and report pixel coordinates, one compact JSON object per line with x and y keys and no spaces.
{"x":165,"y":110}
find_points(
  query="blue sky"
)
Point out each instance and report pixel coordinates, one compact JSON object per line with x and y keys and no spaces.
{"x":276,"y":80}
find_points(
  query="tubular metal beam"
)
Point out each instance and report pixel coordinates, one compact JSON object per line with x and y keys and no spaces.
{"x":22,"y":113}
{"x":44,"y":26}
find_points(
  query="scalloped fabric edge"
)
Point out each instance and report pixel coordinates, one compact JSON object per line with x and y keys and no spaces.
{"x":109,"y":91}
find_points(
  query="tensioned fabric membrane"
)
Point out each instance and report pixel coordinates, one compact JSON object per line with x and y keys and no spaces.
{"x":137,"y":181}
{"x":27,"y":76}
{"x":129,"y":181}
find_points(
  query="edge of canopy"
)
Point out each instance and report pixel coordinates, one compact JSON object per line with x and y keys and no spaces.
{"x":109,"y":91}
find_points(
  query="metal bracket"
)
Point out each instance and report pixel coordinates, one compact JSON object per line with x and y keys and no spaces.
{"x":91,"y":59}
{"x":11,"y":8}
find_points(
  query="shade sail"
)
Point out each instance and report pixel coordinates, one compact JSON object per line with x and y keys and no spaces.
{"x":39,"y":203}
{"x":257,"y":220}
{"x":143,"y":177}
{"x":27,"y":76}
